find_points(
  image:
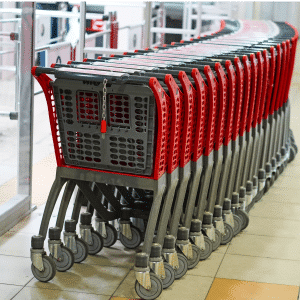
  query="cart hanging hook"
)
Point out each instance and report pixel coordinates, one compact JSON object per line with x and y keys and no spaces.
{"x":103,"y":121}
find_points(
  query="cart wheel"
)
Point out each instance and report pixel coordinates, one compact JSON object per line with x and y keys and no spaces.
{"x":218,"y":240}
{"x":170,"y":276}
{"x":82,"y":251}
{"x":66,"y":260}
{"x":277,"y":173}
{"x":292,"y":154}
{"x":281,"y":168}
{"x":272,"y":180}
{"x":204,"y":254}
{"x":237,"y":224}
{"x":228,"y":234}
{"x":135,"y":241}
{"x":192,"y":263}
{"x":267,"y":185}
{"x":153,"y":292}
{"x":183,"y":266}
{"x":295,"y":147}
{"x":97,"y":243}
{"x":111,"y":235}
{"x":244,"y":217}
{"x":49,"y":270}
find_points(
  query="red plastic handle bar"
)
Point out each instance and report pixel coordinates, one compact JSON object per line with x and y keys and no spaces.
{"x":239,"y":100}
{"x":221,"y":107}
{"x":270,"y":82}
{"x":162,"y":100}
{"x":231,"y":101}
{"x":176,"y":123}
{"x":247,"y":88}
{"x":266,"y":79}
{"x":201,"y":100}
{"x":211,"y":110}
{"x":286,"y":73}
{"x":189,"y":100}
{"x":277,"y":77}
{"x":253,"y":61}
{"x":258,"y":98}
{"x":282,"y":75}
{"x":45,"y":83}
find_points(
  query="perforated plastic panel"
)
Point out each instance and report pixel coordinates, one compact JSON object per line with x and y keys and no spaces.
{"x":128,"y":144}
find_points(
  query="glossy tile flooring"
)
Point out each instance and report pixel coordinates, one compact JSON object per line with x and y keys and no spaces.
{"x":261,"y":263}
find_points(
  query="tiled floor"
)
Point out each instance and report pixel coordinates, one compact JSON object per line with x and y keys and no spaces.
{"x":263,"y":262}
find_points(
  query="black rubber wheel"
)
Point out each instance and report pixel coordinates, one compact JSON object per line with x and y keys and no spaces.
{"x":183,"y":266}
{"x":228,"y":234}
{"x":204,"y":254}
{"x":111,"y":235}
{"x":244,"y":217}
{"x":82,"y":251}
{"x":267,"y":185}
{"x":281,"y":168}
{"x":272,"y":180}
{"x":237,"y":224}
{"x":97,"y":245}
{"x":218,"y":240}
{"x":66,"y":261}
{"x":193,"y":262}
{"x":135,"y":241}
{"x":49,"y":270}
{"x":155,"y":290}
{"x":295,"y":147}
{"x":292,"y":154}
{"x":170,"y":276}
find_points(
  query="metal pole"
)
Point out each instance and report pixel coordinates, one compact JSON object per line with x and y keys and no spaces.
{"x":199,"y":20}
{"x":147,"y":28}
{"x":25,"y":142}
{"x":81,"y":43}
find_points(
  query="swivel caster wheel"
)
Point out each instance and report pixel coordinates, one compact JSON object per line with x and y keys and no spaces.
{"x":192,"y":263}
{"x":228,"y":234}
{"x":111,"y":236}
{"x":183,"y":266}
{"x":66,"y":261}
{"x":267,"y":185}
{"x":218,"y":240}
{"x":237,"y":224}
{"x":135,"y":241}
{"x":295,"y":147}
{"x":82,"y":251}
{"x":153,"y":292}
{"x":272,"y":180}
{"x":97,"y":243}
{"x":204,"y":254}
{"x":292,"y":154}
{"x":244,"y":217}
{"x":49,"y":270}
{"x":170,"y":276}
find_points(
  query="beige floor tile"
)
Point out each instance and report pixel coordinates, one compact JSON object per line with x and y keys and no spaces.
{"x":270,"y":209}
{"x":188,"y":287}
{"x":15,"y":270}
{"x":29,"y":293}
{"x":222,"y":249}
{"x":8,"y":291}
{"x":90,"y":279}
{"x":265,"y":246}
{"x":116,"y":256}
{"x":260,"y":269}
{"x":15,"y":244}
{"x":208,"y":267}
{"x":273,"y":227}
{"x":226,"y":289}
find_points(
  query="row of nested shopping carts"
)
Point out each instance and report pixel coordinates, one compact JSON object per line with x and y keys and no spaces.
{"x":169,"y":148}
